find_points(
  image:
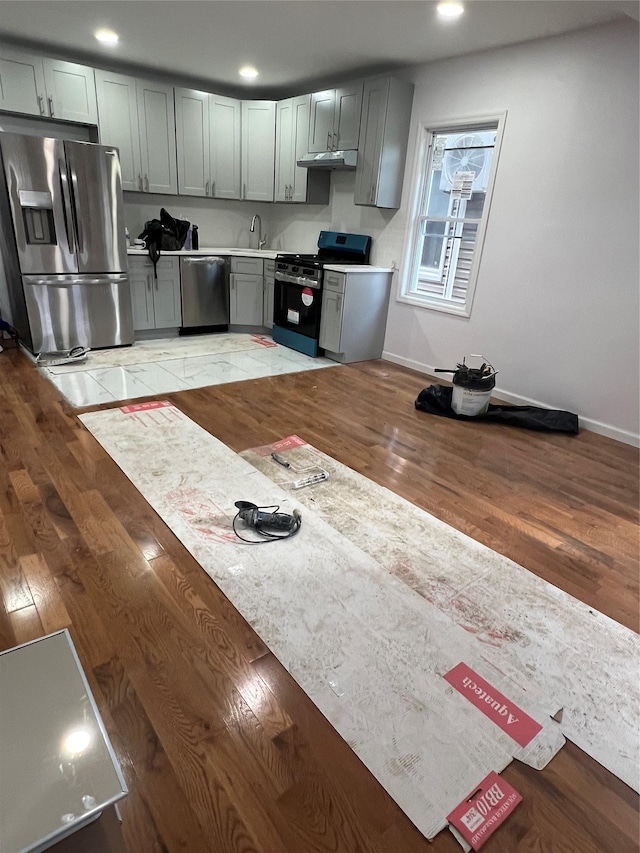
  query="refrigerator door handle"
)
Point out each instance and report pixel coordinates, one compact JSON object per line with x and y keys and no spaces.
{"x":76,"y":219}
{"x":66,"y":206}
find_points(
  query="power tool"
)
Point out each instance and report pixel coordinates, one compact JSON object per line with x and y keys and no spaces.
{"x":270,"y":525}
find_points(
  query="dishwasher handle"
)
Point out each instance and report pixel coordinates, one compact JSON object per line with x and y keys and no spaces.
{"x":203,"y":261}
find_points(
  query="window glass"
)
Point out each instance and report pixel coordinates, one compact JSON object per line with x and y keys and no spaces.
{"x":453,"y":185}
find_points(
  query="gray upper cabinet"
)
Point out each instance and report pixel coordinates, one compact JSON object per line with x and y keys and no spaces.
{"x":384,"y":133}
{"x":192,"y":141}
{"x":156,"y":117}
{"x":335,"y":119}
{"x":71,"y":91}
{"x":284,"y":149}
{"x":208,"y":144}
{"x":224,"y":146}
{"x":137,"y":117}
{"x":22,"y":87}
{"x":294,"y":183}
{"x":258,"y":150}
{"x":118,"y":121}
{"x":47,"y":87}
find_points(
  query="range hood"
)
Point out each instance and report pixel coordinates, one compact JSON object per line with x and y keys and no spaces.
{"x":329,"y":160}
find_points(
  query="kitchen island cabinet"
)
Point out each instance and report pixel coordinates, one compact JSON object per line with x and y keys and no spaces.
{"x":53,"y":88}
{"x":157,"y":301}
{"x":354,"y":313}
{"x":137,"y":117}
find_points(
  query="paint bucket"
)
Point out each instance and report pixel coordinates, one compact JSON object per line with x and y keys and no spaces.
{"x":472,"y":387}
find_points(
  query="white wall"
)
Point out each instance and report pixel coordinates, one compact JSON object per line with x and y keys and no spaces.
{"x":556,"y":303}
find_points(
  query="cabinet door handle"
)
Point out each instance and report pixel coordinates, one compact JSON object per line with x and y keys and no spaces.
{"x":288,"y":193}
{"x":329,"y":140}
{"x":50,"y":100}
{"x":244,"y":191}
{"x":140,"y":182}
{"x":335,"y":141}
{"x":338,"y":304}
{"x":213,"y":188}
{"x":146,"y":183}
{"x":206,"y":188}
{"x":41,"y":104}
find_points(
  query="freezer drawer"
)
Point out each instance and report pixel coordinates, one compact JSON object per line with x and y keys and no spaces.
{"x":66,"y":311}
{"x":205,"y":292}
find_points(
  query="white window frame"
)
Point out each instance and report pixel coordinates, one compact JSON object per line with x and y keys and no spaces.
{"x":420,"y":181}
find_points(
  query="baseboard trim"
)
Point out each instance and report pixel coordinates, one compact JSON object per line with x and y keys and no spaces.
{"x":585,"y":423}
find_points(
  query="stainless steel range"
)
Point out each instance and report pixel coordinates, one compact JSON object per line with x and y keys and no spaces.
{"x":298,"y":288}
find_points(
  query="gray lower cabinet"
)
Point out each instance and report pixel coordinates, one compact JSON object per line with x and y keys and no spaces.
{"x":354,"y":314}
{"x":269,"y":290}
{"x":246,"y":297}
{"x":156,"y":301}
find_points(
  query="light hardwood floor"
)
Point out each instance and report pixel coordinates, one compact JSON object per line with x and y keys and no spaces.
{"x":211,"y":767}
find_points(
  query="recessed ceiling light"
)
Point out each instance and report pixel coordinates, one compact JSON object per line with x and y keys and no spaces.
{"x":248,"y":71}
{"x":107,"y":36}
{"x":450,"y":9}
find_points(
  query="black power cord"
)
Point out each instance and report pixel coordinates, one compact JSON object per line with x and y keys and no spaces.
{"x":266,"y":524}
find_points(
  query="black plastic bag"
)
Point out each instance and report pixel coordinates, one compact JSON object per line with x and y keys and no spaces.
{"x":164,"y":235}
{"x":436,"y":399}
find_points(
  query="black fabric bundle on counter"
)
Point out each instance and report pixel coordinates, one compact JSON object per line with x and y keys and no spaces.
{"x":164,"y":235}
{"x":436,"y":400}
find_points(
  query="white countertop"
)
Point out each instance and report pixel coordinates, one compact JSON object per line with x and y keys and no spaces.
{"x":350,"y":268}
{"x":267,"y":254}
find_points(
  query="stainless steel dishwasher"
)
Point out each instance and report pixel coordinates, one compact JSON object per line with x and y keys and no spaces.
{"x":205,"y":292}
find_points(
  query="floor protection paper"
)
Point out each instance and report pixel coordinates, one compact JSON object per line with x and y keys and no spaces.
{"x":369,"y":649}
{"x":579,"y":664}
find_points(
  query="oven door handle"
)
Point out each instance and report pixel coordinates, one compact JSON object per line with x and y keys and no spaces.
{"x":297,"y":279}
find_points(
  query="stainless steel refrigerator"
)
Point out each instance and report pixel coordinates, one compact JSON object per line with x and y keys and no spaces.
{"x":63,"y":244}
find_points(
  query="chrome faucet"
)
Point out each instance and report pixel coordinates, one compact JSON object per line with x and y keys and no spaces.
{"x":261,"y":242}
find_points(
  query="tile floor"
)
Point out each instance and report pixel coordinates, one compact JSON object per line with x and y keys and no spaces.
{"x":159,"y":367}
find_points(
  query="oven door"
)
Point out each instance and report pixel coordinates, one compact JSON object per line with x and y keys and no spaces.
{"x":297,"y":307}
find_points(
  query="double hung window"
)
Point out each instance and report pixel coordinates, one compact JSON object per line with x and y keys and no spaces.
{"x":452,"y":194}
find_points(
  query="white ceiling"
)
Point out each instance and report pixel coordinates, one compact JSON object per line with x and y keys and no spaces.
{"x":297,"y":45}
